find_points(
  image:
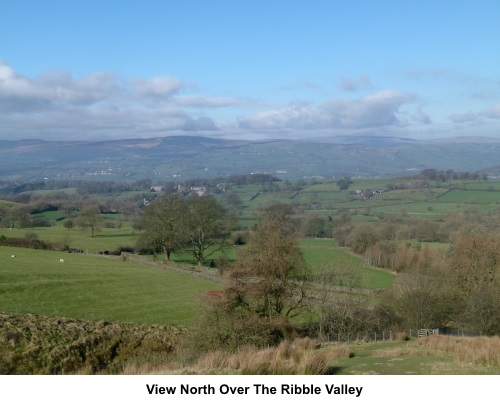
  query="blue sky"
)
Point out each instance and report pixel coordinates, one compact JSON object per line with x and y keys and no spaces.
{"x":249,"y":69}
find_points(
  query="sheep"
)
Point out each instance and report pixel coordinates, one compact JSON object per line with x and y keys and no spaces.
{"x":13,"y":256}
{"x":61,"y":260}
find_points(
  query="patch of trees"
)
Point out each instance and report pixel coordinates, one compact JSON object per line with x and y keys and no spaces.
{"x":13,"y":189}
{"x":238,"y":180}
{"x":457,"y":287}
{"x":31,"y":241}
{"x":112,"y":187}
{"x":197,"y":225}
{"x":262,"y":291}
{"x":318,"y":227}
{"x":344,"y":183}
{"x":19,"y":217}
{"x":446,"y":175}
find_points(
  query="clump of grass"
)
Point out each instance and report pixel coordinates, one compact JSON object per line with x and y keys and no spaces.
{"x":480,"y":350}
{"x":300,"y":356}
{"x":402,"y":336}
{"x":401,"y":352}
{"x":340,"y":352}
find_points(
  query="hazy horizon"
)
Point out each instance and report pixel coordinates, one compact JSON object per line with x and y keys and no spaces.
{"x":87,"y":70}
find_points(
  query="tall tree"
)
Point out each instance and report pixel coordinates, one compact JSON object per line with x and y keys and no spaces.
{"x":206,"y":226}
{"x":162,"y":224}
{"x":91,"y":218}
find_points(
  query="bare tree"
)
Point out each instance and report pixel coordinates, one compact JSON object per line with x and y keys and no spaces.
{"x":267,"y":278}
{"x":206,"y":226}
{"x":91,"y":218}
{"x":162,"y":222}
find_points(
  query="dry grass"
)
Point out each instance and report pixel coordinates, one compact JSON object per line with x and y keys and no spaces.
{"x":479,"y":350}
{"x":402,"y":352}
{"x":298,"y":357}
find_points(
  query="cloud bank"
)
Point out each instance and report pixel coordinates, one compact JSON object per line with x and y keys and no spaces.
{"x":57,"y":106}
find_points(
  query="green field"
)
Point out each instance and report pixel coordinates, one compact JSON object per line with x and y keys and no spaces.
{"x":101,"y":287}
{"x":96,"y":287}
{"x":323,"y":254}
{"x":106,"y":239}
{"x":471,"y":197}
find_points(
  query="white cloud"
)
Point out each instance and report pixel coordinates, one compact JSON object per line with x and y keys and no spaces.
{"x":464,"y":117}
{"x":355,"y":84}
{"x":301,"y":85}
{"x":207,"y":102}
{"x":371,"y":113}
{"x":160,"y":87}
{"x":55,"y":105}
{"x":493,"y":112}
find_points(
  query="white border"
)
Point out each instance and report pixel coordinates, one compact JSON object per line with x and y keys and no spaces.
{"x":121,"y":390}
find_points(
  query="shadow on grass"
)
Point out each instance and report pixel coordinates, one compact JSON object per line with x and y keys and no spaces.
{"x":334,"y":370}
{"x":118,"y":235}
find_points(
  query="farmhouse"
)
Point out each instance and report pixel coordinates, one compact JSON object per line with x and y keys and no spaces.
{"x":200,"y":191}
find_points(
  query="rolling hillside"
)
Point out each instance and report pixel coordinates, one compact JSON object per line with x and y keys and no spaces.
{"x":189,"y":157}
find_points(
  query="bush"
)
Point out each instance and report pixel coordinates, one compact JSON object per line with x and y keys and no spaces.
{"x":48,"y":345}
{"x":40,"y":222}
{"x":229,"y":330}
{"x":27,"y":243}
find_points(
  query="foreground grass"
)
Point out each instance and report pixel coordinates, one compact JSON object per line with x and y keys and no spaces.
{"x":33,"y":344}
{"x":425,"y":356}
{"x":302,"y":357}
{"x":96,"y":287}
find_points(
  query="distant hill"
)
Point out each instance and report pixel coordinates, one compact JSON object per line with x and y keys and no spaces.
{"x":191,"y":156}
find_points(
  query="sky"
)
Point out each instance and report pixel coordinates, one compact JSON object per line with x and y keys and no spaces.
{"x":92,"y":70}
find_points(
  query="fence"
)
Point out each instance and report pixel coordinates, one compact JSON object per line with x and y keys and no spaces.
{"x":427,"y":332}
{"x":330,"y":338}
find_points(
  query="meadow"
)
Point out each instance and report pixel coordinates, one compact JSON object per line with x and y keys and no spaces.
{"x":324,"y":254}
{"x":96,"y":287}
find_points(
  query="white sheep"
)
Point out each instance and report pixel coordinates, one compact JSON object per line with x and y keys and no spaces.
{"x":13,"y":256}
{"x":61,"y":260}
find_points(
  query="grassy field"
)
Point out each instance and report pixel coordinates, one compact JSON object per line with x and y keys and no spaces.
{"x":105,"y":239}
{"x":321,"y":254}
{"x":100,"y":287}
{"x":96,"y":287}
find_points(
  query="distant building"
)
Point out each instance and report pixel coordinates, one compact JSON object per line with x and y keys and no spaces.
{"x":200,"y":191}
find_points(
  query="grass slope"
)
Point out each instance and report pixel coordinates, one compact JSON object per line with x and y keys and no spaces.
{"x":96,"y":287}
{"x":321,"y":254}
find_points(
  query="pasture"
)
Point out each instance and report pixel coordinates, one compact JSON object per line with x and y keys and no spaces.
{"x":96,"y":287}
{"x":323,"y":254}
{"x":106,"y":239}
